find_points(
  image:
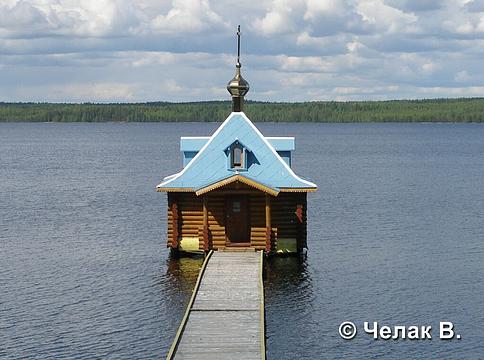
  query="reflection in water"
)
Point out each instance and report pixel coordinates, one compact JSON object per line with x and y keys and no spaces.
{"x":289,"y":299}
{"x":180,"y":278}
{"x":175,"y":281}
{"x":281,"y":272}
{"x":182,"y":272}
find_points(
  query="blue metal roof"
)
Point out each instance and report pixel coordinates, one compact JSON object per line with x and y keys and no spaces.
{"x":282,"y":143}
{"x":193,"y":143}
{"x":210,"y":164}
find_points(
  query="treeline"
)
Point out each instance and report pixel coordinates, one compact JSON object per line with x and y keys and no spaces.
{"x":434,"y":110}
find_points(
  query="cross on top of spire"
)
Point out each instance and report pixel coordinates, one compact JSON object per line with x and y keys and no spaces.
{"x":238,"y":45}
{"x":238,"y":87}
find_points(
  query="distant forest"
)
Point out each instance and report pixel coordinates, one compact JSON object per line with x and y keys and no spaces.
{"x":436,"y":110}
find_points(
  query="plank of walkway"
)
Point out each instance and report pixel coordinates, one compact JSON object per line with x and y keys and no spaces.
{"x":225,"y":319}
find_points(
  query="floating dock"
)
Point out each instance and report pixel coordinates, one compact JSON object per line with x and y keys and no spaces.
{"x":225,"y":315}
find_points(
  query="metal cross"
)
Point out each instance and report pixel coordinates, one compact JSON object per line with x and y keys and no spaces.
{"x":238,"y":45}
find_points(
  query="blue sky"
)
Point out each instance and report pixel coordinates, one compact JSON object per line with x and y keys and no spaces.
{"x":292,"y":50}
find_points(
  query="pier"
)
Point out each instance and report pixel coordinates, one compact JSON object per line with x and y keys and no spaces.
{"x":224,"y":318}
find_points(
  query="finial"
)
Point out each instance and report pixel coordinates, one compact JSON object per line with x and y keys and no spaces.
{"x":238,"y":87}
{"x":238,"y":46}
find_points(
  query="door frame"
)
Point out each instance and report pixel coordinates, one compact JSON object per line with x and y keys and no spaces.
{"x":228,"y":200}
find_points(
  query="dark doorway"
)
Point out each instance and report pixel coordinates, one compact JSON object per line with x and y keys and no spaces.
{"x":237,"y":220}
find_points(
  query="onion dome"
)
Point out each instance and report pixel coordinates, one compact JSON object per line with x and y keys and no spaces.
{"x":238,"y":86}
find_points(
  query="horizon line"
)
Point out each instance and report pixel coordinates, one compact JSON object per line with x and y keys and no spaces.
{"x":229,"y":101}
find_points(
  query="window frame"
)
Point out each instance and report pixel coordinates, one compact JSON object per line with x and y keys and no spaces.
{"x":231,"y":164}
{"x":233,"y":152}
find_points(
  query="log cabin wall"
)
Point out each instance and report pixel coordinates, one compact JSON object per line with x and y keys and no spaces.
{"x":191,"y":214}
{"x":257,"y":221}
{"x":288,"y":219}
{"x":216,"y":220}
{"x":190,"y":218}
{"x":173,"y":223}
{"x":185,"y":217}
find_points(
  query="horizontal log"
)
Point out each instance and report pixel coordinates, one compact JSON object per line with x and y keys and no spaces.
{"x":220,"y":235}
{"x":192,"y":224}
{"x":258,"y":244}
{"x":185,"y":229}
{"x":191,"y":212}
{"x":218,"y":245}
{"x":188,"y":232}
{"x":192,"y":219}
{"x":216,"y":220}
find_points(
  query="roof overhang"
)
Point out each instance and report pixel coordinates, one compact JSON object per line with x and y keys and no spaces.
{"x":173,"y":189}
{"x":299,"y":190}
{"x":239,"y":178}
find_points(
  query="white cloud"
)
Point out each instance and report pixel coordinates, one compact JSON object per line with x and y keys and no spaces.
{"x":187,"y":16}
{"x":64,"y":17}
{"x":281,"y":18}
{"x":127,"y":50}
{"x":452,"y":91}
{"x":386,"y":18}
{"x":462,"y":76}
{"x":81,"y":92}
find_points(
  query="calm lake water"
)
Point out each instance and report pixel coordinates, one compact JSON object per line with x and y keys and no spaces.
{"x":396,"y":235}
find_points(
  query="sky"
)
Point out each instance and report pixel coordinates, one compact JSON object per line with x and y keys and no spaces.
{"x":292,"y":50}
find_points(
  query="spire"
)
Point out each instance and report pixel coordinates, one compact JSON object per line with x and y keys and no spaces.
{"x":238,"y":87}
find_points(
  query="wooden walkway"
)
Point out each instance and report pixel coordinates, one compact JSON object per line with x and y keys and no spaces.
{"x":225,"y":315}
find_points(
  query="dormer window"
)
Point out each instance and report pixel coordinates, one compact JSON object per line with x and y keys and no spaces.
{"x":237,"y":157}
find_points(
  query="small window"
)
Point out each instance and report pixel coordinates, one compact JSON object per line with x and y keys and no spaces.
{"x":237,"y":157}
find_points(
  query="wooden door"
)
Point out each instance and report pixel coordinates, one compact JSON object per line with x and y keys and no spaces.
{"x":237,"y":220}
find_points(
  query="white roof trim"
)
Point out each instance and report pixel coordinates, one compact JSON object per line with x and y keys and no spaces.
{"x":170,"y":176}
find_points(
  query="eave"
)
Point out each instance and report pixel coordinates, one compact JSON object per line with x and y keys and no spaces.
{"x":235,"y":178}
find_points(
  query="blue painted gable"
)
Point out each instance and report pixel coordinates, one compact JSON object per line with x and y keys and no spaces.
{"x":210,"y":165}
